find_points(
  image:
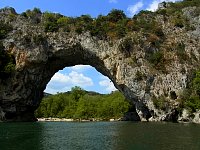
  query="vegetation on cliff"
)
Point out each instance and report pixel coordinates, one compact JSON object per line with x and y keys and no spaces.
{"x":143,"y":29}
{"x":7,"y":63}
{"x":190,"y":98}
{"x":80,"y":104}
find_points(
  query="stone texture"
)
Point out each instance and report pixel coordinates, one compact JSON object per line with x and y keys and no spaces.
{"x":36,"y":63}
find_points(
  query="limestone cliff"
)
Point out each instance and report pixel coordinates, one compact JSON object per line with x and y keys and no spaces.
{"x":145,"y":66}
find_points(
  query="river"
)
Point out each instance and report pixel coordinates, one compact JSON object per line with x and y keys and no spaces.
{"x":99,"y":136}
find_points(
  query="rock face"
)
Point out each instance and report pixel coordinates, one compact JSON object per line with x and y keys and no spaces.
{"x":37,"y":61}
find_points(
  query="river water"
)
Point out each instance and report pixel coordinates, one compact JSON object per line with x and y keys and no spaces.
{"x":99,"y":136}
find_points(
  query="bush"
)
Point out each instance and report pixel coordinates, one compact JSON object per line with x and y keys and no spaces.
{"x":126,"y":46}
{"x":39,"y":39}
{"x":193,"y":103}
{"x":51,"y":27}
{"x":154,"y":40}
{"x":34,"y":15}
{"x":116,"y":15}
{"x":4,"y":29}
{"x":7,"y":63}
{"x":178,"y":22}
{"x":190,"y":98}
{"x":62,"y":22}
{"x":139,"y":76}
{"x":155,"y":57}
{"x":50,"y":22}
{"x":160,"y":102}
{"x":180,"y":52}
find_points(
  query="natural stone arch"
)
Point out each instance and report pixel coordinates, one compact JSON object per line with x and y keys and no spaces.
{"x":36,"y":64}
{"x":39,"y":54}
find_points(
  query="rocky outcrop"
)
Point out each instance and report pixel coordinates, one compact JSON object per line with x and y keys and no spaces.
{"x":39,"y":55}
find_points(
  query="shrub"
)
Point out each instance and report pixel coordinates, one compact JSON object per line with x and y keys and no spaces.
{"x":190,"y":97}
{"x":126,"y":46}
{"x":39,"y":39}
{"x":4,"y":29}
{"x":178,"y":22}
{"x":50,"y":22}
{"x":155,"y":57}
{"x":160,"y":102}
{"x":132,"y":26}
{"x":116,"y":15}
{"x":7,"y":62}
{"x":153,"y":39}
{"x":180,"y":52}
{"x":139,"y":76}
{"x":158,"y":31}
{"x":34,"y":15}
{"x":62,"y":22}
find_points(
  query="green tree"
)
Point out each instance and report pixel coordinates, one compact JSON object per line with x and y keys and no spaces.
{"x":116,"y":15}
{"x":77,"y":92}
{"x":196,"y":83}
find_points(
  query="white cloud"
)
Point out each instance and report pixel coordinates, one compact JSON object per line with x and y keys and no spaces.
{"x":113,"y":1}
{"x":81,"y":68}
{"x":80,"y":79}
{"x":107,"y":84}
{"x":133,"y":9}
{"x":62,"y":83}
{"x":154,"y":5}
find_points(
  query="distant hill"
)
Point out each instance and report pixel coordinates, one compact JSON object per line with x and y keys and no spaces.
{"x":47,"y":94}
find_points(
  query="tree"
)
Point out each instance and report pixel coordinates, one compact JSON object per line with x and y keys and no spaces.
{"x":115,"y":15}
{"x":77,"y":92}
{"x":196,"y":83}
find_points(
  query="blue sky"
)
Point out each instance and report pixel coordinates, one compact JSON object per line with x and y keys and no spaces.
{"x":84,"y":76}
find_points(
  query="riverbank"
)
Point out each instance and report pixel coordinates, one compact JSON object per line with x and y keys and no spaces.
{"x":74,"y":120}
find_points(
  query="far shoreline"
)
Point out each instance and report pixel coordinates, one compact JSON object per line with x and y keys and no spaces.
{"x":75,"y":120}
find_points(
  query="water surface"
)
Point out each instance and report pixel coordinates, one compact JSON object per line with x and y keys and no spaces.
{"x":99,"y":136}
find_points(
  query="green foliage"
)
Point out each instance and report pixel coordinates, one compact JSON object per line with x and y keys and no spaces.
{"x":4,"y":29}
{"x":39,"y":39}
{"x":139,"y":76}
{"x":79,"y":104}
{"x":196,"y":83}
{"x":190,"y":97}
{"x":179,"y":20}
{"x":178,"y":6}
{"x":126,"y":46}
{"x":34,"y":15}
{"x":62,"y":21}
{"x":7,"y":63}
{"x":115,"y":24}
{"x":156,"y":58}
{"x":77,"y":93}
{"x":50,"y":22}
{"x":160,"y":102}
{"x":116,"y":15}
{"x":193,"y":103}
{"x":51,"y":27}
{"x":181,"y":53}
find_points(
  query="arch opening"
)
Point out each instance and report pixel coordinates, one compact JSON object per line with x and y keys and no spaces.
{"x":82,"y":93}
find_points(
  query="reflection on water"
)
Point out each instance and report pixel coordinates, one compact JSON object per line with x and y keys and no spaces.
{"x":21,"y":136}
{"x":160,"y":136}
{"x":99,"y":136}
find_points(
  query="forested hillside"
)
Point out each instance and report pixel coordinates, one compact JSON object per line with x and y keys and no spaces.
{"x":80,"y":104}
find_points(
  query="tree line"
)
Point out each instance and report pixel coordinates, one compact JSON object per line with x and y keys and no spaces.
{"x":80,"y":104}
